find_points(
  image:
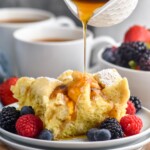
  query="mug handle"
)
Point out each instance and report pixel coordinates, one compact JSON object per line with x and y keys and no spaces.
{"x":97,"y":42}
{"x":64,"y":21}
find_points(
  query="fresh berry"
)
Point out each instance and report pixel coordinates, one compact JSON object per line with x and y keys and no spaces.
{"x":102,"y":135}
{"x":137,"y":103}
{"x":46,"y":135}
{"x":109,"y":55}
{"x":144,"y":61}
{"x":91,"y":133}
{"x":131,"y":124}
{"x":130,"y":108}
{"x":131,"y":51}
{"x":6,"y":95}
{"x":27,"y":110}
{"x":29,"y":126}
{"x":137,"y":33}
{"x":8,"y":118}
{"x":98,"y":134}
{"x":113,"y":126}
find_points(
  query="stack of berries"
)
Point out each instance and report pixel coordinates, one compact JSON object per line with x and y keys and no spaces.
{"x":110,"y":128}
{"x":134,"y":52}
{"x":24,"y":123}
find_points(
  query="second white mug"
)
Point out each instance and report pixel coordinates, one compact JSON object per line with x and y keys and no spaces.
{"x":38,"y":58}
{"x":12,"y":19}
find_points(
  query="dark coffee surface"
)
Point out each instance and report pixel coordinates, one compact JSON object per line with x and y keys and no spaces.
{"x":53,"y":40}
{"x":20,"y":20}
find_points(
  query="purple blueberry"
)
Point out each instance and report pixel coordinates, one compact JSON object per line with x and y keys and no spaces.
{"x":98,"y":135}
{"x":27,"y":110}
{"x":46,"y":135}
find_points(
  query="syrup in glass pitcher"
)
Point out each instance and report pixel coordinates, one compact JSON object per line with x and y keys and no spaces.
{"x":100,"y":13}
{"x":85,"y":10}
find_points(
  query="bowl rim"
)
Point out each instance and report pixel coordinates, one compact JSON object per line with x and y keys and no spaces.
{"x":100,"y":58}
{"x":17,"y":35}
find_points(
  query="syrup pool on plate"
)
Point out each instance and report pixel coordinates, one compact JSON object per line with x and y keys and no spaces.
{"x":86,"y":9}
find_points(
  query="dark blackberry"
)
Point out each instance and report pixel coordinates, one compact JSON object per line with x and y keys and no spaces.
{"x":144,"y":61}
{"x":8,"y":118}
{"x":137,"y":103}
{"x":131,"y":51}
{"x":113,"y":126}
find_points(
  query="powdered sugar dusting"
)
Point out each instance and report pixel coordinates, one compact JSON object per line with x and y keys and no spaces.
{"x":107,"y":77}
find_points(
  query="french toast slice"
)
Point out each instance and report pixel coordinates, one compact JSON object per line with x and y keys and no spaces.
{"x":75,"y":102}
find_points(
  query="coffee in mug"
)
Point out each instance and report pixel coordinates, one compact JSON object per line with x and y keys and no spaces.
{"x":51,"y":58}
{"x":53,"y":40}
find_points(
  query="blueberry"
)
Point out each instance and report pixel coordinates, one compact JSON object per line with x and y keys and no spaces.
{"x":27,"y":110}
{"x":109,"y":55}
{"x":102,"y":135}
{"x":46,"y":135}
{"x":98,"y":135}
{"x":91,"y":134}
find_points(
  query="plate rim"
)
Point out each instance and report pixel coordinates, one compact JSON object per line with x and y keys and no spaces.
{"x":136,"y":145}
{"x":12,"y":142}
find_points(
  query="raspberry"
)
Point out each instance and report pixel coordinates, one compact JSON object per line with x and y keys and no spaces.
{"x":131,"y":124}
{"x":130,"y":109}
{"x":6,"y":95}
{"x":29,"y":126}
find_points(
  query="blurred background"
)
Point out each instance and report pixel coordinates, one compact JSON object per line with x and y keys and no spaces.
{"x":58,"y":8}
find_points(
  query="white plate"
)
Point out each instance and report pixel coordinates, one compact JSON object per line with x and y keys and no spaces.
{"x":144,"y":114}
{"x":15,"y":145}
{"x":132,"y":146}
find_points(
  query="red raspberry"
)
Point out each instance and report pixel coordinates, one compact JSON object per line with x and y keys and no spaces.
{"x":130,"y":109}
{"x":6,"y":94}
{"x":29,"y":126}
{"x":131,"y":124}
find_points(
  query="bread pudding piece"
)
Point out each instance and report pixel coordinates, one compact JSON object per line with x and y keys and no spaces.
{"x":75,"y":102}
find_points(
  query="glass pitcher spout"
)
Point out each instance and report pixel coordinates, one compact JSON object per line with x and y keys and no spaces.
{"x":111,"y":13}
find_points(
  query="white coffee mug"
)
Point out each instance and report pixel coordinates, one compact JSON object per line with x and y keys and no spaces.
{"x":9,"y":22}
{"x":52,"y":58}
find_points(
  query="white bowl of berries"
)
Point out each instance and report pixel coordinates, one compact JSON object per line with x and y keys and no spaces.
{"x":132,"y":60}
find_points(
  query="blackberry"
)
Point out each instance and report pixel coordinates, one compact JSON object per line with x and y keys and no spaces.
{"x":8,"y":118}
{"x":144,"y":61}
{"x":137,"y":103}
{"x":113,"y":126}
{"x":131,"y":51}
